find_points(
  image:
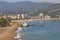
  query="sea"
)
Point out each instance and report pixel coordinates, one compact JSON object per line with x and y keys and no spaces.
{"x":42,"y":30}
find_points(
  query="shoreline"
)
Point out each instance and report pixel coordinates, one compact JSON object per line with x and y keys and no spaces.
{"x":8,"y":32}
{"x":28,"y":20}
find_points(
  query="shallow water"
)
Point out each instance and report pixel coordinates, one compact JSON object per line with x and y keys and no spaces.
{"x":50,"y":31}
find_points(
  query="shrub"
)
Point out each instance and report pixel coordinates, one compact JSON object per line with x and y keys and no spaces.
{"x":4,"y":22}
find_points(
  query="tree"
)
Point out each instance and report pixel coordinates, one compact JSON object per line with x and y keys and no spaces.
{"x":3,"y":22}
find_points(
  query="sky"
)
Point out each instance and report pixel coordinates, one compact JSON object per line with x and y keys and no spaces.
{"x":52,"y":1}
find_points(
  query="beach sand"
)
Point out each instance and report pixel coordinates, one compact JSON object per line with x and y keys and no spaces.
{"x":7,"y":33}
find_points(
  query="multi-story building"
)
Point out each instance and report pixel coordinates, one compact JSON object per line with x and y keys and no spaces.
{"x":16,"y":16}
{"x":41,"y":15}
{"x":25,"y":16}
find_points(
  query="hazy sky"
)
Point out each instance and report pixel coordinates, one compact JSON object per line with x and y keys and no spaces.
{"x":53,"y":1}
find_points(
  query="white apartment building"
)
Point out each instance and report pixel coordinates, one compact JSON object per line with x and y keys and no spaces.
{"x":41,"y":15}
{"x":25,"y":16}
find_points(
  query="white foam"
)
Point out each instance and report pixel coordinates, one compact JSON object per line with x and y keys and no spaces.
{"x":25,"y":24}
{"x":17,"y":37}
{"x":20,"y":39}
{"x":19,"y":29}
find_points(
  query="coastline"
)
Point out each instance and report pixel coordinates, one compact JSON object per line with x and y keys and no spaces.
{"x":28,"y":20}
{"x":7,"y":33}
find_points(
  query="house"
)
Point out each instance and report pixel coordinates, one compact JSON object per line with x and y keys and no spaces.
{"x":59,"y":17}
{"x":47,"y":17}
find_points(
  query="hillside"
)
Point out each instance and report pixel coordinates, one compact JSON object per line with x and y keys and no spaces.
{"x":52,"y":8}
{"x":21,"y":7}
{"x":31,"y":8}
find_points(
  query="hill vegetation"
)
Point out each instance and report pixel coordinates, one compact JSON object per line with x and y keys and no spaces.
{"x":21,"y":7}
{"x":3,"y":22}
{"x":52,"y":10}
{"x":31,"y":8}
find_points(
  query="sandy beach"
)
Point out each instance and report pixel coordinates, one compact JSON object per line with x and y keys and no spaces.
{"x":8,"y":32}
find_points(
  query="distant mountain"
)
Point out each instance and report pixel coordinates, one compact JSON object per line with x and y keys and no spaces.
{"x":21,"y":7}
{"x":52,"y":8}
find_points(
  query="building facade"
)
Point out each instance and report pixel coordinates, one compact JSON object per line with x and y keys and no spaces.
{"x":41,"y":15}
{"x":47,"y":17}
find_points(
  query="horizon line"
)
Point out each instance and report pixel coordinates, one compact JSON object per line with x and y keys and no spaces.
{"x":27,"y":1}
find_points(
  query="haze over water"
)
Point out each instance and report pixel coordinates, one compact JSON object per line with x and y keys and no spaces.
{"x":51,"y":31}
